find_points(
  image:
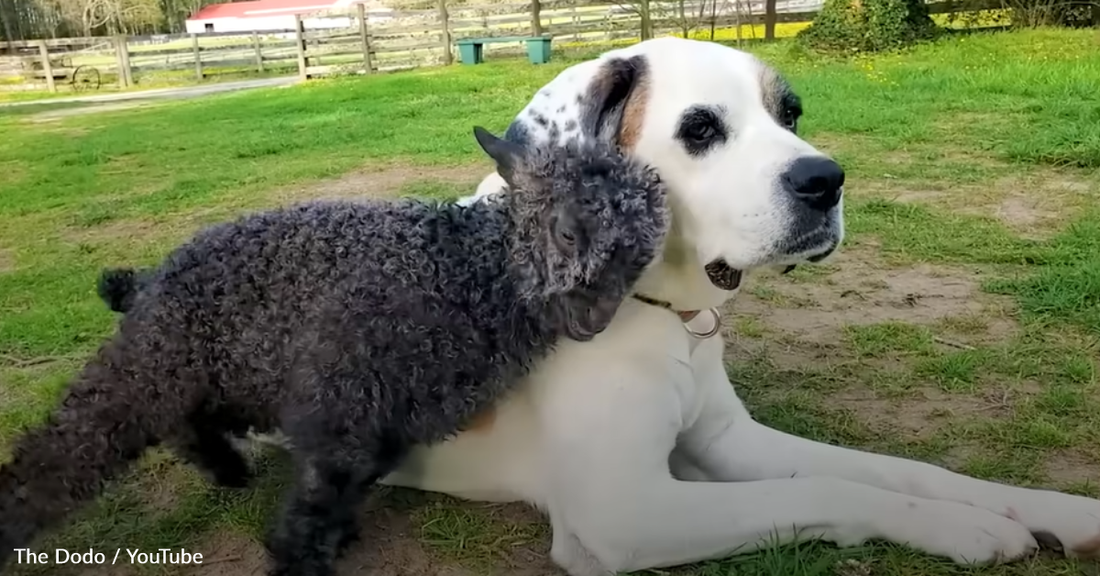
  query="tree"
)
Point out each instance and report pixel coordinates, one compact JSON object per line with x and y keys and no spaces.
{"x":536,"y":18}
{"x":687,"y":18}
{"x":770,"y":16}
{"x":642,"y":9}
{"x":7,"y":18}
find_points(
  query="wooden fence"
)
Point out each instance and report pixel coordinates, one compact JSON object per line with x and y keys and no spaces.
{"x":368,"y":43}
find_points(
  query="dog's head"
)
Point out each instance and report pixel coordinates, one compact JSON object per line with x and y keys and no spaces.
{"x":721,"y":129}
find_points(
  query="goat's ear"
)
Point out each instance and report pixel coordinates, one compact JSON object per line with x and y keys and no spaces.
{"x":507,"y":155}
{"x":617,"y":83}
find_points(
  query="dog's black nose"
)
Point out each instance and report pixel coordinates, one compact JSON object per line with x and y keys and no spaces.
{"x":815,"y":180}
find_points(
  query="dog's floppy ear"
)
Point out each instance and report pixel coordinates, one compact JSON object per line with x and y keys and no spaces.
{"x":507,"y":155}
{"x":614,"y":102}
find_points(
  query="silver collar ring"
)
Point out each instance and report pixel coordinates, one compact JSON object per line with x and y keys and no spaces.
{"x":714,"y":330}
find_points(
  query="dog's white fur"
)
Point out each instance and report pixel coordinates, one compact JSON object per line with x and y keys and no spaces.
{"x":636,"y":444}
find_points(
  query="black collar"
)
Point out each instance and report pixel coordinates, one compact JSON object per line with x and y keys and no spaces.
{"x":685,"y":315}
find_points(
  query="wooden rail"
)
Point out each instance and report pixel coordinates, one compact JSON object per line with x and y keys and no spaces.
{"x":370,"y":43}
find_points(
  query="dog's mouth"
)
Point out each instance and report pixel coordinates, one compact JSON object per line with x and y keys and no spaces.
{"x":722,"y":275}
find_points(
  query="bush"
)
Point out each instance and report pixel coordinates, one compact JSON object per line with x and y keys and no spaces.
{"x":1037,"y":13}
{"x":869,"y":25}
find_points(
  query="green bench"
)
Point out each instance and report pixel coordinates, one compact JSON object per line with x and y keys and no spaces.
{"x":538,"y":48}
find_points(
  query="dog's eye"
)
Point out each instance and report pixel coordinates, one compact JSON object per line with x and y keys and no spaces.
{"x":701,"y":129}
{"x":790,"y":118}
{"x":567,"y":237}
{"x":699,"y":132}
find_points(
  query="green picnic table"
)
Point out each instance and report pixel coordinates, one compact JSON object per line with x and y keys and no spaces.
{"x":538,"y":48}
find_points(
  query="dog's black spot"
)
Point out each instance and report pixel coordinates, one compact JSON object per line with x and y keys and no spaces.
{"x":561,"y":109}
{"x":570,"y":125}
{"x":701,"y":129}
{"x":539,"y":118}
{"x":555,"y":132}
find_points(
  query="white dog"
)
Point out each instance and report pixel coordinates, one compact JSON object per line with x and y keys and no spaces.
{"x":635,"y":444}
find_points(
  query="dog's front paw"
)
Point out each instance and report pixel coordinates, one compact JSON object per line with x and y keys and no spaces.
{"x":965,"y":534}
{"x":1063,"y":522}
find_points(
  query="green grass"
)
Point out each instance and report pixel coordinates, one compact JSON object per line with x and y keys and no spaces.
{"x":997,"y":379}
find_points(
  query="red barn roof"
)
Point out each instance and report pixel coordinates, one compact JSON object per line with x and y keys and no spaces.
{"x":260,"y":8}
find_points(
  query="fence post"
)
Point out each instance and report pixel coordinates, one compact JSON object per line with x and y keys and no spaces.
{"x":198,"y":56}
{"x":536,"y":17}
{"x":444,"y":19}
{"x":576,"y":23}
{"x":259,"y":52}
{"x":44,"y":52}
{"x":364,"y":35}
{"x":122,"y":55}
{"x":300,"y":34}
{"x":120,"y":65}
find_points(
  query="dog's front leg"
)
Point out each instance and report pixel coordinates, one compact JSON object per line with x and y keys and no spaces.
{"x":614,"y":505}
{"x":728,"y":445}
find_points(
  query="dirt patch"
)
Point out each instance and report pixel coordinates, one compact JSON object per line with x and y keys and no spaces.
{"x":7,"y":260}
{"x":130,"y":231}
{"x":857,"y":292}
{"x":382,"y":180}
{"x":1020,"y":211}
{"x":390,"y":543}
{"x":1034,"y":204}
{"x":916,"y":196}
{"x":389,"y":546}
{"x":228,"y":553}
{"x":1064,"y":469}
{"x":923,"y":412}
{"x":373,"y":181}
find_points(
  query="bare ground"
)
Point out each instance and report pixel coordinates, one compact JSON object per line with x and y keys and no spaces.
{"x":369,"y":181}
{"x":7,"y":260}
{"x":382,"y":180}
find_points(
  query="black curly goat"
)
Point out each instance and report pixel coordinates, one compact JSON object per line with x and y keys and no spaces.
{"x":358,"y":329}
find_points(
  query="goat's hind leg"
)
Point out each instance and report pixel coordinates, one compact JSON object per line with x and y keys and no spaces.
{"x":204,"y":442}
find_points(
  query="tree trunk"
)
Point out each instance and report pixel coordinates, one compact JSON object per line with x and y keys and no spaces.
{"x":770,"y":17}
{"x":683,"y":18}
{"x":445,"y":23}
{"x":647,"y":23}
{"x":6,"y":19}
{"x":714,"y":18}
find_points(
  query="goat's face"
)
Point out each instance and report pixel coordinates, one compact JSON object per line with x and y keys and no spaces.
{"x":592,"y":221}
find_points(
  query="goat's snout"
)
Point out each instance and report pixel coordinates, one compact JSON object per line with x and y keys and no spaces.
{"x":816,"y":181}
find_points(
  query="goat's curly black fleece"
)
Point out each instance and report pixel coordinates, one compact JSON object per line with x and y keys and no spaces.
{"x":358,"y":329}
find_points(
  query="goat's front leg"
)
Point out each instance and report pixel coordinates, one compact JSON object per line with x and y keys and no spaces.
{"x":318,"y":516}
{"x":342,"y":447}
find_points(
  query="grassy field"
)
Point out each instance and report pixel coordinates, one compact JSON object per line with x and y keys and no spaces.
{"x":960,"y":325}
